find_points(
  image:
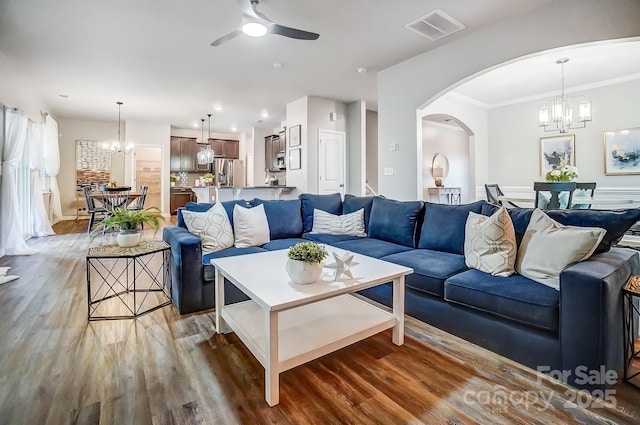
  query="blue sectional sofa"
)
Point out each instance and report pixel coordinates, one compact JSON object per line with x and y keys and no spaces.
{"x":575,"y":330}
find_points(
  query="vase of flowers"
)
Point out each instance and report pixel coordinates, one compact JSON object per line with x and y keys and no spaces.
{"x":564,"y":173}
{"x":173,"y":179}
{"x":304,"y":264}
{"x":207,"y":179}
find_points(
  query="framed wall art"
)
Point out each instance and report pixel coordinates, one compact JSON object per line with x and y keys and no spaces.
{"x":557,"y":151}
{"x":622,"y":152}
{"x":294,"y":135}
{"x":294,"y":159}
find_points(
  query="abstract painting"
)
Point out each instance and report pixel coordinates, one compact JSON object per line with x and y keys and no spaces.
{"x":622,"y":152}
{"x":557,"y":151}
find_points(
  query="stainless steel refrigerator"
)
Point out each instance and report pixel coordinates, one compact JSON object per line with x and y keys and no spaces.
{"x":228,"y":172}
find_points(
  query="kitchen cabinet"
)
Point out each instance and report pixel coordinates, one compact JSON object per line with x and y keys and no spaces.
{"x":183,"y":154}
{"x":179,"y":198}
{"x":225,"y":148}
{"x":272,"y":149}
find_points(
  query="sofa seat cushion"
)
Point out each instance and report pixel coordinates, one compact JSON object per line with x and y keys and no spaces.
{"x":515,"y":297}
{"x":282,"y":244}
{"x":430,"y":268}
{"x":371,"y":247}
{"x":329,"y":239}
{"x":209,"y":272}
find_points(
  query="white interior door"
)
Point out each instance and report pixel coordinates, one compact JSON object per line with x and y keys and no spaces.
{"x":331,"y":161}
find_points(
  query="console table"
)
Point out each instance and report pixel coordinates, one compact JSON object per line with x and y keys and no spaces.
{"x":124,"y":283}
{"x":445,"y":195}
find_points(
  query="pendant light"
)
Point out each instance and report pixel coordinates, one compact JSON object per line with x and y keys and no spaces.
{"x":209,"y":154}
{"x":116,"y":145}
{"x":201,"y":156}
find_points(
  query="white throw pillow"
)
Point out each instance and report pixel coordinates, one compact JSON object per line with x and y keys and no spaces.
{"x":548,"y":247}
{"x":351,"y":224}
{"x":212,"y":226}
{"x":490,"y":243}
{"x":251,"y":227}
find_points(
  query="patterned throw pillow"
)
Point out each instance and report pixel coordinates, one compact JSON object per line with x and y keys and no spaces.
{"x":212,"y":226}
{"x":548,"y":247}
{"x":490,"y":243}
{"x":351,"y":224}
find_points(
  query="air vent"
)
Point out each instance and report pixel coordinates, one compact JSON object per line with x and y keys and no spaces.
{"x":435,"y":25}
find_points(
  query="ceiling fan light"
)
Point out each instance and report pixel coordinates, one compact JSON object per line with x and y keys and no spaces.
{"x":254,"y":29}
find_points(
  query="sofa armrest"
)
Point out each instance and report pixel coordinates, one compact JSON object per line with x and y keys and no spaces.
{"x":186,"y":268}
{"x":591,"y":311}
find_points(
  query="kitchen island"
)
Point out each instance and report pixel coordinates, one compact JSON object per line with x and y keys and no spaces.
{"x":210,"y":194}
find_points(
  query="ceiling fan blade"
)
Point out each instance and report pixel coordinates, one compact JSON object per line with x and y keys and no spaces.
{"x":227,"y":37}
{"x":293,"y":33}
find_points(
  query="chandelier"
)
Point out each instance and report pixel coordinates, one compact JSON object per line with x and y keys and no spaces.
{"x":206,"y":155}
{"x":561,"y":112}
{"x":116,"y":145}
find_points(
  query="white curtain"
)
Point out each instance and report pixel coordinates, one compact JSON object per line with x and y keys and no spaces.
{"x":16,"y":136}
{"x":39,"y":219}
{"x":51,"y":158}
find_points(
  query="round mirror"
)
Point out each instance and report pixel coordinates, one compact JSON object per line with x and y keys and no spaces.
{"x":439,"y":168}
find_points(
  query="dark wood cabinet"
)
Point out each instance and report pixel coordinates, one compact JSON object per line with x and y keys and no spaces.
{"x":179,"y":198}
{"x":183,"y":154}
{"x":225,"y":148}
{"x":273,"y":148}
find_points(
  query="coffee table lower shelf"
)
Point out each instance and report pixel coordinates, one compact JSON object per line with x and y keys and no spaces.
{"x":307,"y":332}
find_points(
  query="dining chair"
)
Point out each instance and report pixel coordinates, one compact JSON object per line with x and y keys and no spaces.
{"x":555,"y":188}
{"x":96,"y":213}
{"x":589,"y":189}
{"x":494,"y":193}
{"x":138,"y":204}
{"x":113,"y":199}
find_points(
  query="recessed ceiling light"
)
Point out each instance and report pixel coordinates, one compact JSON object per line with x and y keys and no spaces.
{"x":265,"y":114}
{"x":234,"y":129}
{"x":64,"y":96}
{"x":277,"y":65}
{"x":218,"y":108}
{"x":361,"y":69}
{"x":195,"y":124}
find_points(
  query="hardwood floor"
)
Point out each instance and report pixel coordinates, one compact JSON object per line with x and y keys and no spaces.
{"x":162,"y":368}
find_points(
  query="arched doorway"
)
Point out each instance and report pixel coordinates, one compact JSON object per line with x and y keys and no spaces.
{"x":444,"y":134}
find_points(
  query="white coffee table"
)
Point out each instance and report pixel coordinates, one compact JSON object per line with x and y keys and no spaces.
{"x":285,"y":325}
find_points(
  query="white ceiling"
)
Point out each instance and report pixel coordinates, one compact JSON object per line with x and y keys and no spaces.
{"x":539,"y":76}
{"x":154,"y":55}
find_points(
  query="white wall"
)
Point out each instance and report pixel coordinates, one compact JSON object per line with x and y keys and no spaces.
{"x":475,"y":118}
{"x":16,"y":91}
{"x":452,"y":142}
{"x":514,"y":128}
{"x":72,"y":130}
{"x":297,"y":115}
{"x":372,"y":150}
{"x":407,"y":86}
{"x":356,"y":147}
{"x":151,"y":134}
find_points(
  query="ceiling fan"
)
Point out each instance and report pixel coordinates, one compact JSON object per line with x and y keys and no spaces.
{"x":256,"y":24}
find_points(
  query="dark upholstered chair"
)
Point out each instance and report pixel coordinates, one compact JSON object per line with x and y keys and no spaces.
{"x":494,"y":193}
{"x":555,"y":188}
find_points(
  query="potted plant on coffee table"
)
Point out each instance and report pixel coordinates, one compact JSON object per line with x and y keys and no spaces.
{"x":129,"y":223}
{"x":304,"y":264}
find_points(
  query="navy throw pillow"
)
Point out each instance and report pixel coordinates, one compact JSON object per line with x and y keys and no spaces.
{"x":283,"y":217}
{"x":330,"y":203}
{"x":354,"y":203}
{"x":394,"y":221}
{"x":615,"y":222}
{"x":443,"y":227}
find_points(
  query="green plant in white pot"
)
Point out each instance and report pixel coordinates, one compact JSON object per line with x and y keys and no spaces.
{"x":304,"y":264}
{"x":129,"y":222}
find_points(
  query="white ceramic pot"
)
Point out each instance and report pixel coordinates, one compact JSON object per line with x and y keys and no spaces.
{"x":303,"y":273}
{"x":129,"y":238}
